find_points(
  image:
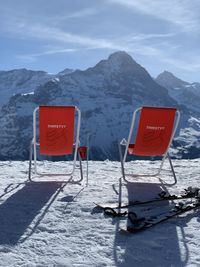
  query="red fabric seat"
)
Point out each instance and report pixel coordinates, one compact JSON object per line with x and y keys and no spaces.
{"x":56,"y":130}
{"x":154,"y":131}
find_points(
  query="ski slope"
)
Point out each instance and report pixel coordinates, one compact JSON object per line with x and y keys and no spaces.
{"x":52,"y":225}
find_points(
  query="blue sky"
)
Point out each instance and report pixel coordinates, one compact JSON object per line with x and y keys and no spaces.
{"x":57,"y":34}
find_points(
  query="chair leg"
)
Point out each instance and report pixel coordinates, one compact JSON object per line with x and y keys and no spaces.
{"x":172,"y":168}
{"x":122,"y":163}
{"x":30,"y":168}
{"x":81,"y":170}
{"x":30,"y":163}
{"x":88,"y":151}
{"x":120,"y":194}
{"x":87,"y":179}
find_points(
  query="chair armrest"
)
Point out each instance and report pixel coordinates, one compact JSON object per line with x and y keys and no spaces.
{"x":123,"y":142}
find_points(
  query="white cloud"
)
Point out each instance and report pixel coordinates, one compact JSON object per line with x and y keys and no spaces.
{"x":184,"y":13}
{"x":142,"y":36}
{"x":133,"y":43}
{"x":136,"y":44}
{"x":71,"y":31}
{"x":83,"y":13}
{"x":190,"y":65}
{"x":27,"y":30}
{"x":34,"y":56}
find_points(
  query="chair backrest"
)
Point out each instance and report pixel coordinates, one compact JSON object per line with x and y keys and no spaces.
{"x":56,"y":129}
{"x":155,"y":131}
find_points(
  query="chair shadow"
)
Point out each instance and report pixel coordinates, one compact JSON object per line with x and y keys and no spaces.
{"x":21,"y":208}
{"x":154,"y":247}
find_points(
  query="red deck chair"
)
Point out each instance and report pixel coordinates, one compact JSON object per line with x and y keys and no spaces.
{"x":155,"y":131}
{"x":56,"y":137}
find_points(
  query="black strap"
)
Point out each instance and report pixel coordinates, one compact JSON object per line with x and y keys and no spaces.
{"x":162,"y":194}
{"x":111,"y":212}
{"x":134,"y":219}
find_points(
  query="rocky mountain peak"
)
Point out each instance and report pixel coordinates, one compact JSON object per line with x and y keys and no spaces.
{"x":65,"y":72}
{"x":169,"y":80}
{"x":121,"y":57}
{"x":118,"y":62}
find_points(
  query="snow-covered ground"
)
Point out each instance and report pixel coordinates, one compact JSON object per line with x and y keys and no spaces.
{"x":44,"y":224}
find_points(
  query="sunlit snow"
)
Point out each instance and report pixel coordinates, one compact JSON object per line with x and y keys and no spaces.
{"x":46,"y":224}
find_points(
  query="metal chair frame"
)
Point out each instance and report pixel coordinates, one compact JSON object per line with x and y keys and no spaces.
{"x":33,"y":152}
{"x":125,"y":143}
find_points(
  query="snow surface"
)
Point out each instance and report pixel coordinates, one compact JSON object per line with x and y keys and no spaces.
{"x":46,"y":224}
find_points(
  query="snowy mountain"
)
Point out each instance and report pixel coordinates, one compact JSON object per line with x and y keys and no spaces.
{"x":107,"y":94}
{"x":187,"y":94}
{"x":184,"y":93}
{"x":65,"y":71}
{"x":20,"y":81}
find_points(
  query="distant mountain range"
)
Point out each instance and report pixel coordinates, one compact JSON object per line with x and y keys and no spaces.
{"x":107,"y":94}
{"x":21,"y":81}
{"x":184,"y":93}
